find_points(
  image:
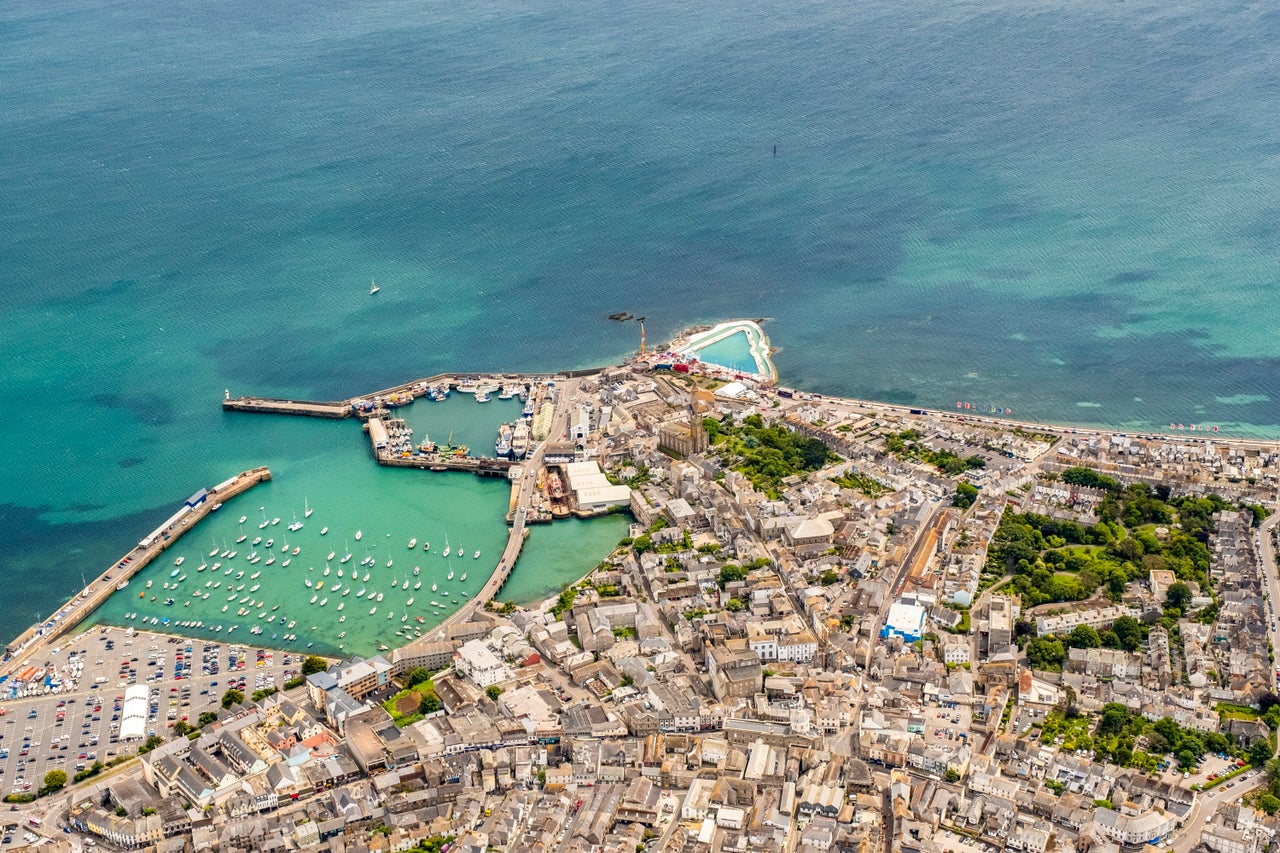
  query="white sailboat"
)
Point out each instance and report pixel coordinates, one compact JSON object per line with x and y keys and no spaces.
{"x":307,"y":510}
{"x":446,"y":550}
{"x":373,"y":288}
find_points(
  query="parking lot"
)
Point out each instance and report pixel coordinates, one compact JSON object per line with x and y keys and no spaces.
{"x":947,"y":725}
{"x":70,"y":730}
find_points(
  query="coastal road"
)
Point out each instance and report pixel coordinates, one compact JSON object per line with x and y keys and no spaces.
{"x":1270,"y":576}
{"x":1207,"y":804}
{"x":527,"y":491}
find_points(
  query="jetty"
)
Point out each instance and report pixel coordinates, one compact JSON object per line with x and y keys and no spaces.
{"x":34,"y":641}
{"x":276,"y":406}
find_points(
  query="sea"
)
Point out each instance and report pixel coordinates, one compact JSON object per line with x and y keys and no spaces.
{"x":1068,"y":210}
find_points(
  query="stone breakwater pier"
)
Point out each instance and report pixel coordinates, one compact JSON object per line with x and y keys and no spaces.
{"x":34,"y":641}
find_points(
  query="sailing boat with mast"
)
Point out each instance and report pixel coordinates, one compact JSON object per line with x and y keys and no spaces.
{"x":307,"y":510}
{"x":373,"y":288}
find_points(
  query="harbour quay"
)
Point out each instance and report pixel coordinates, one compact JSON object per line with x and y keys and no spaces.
{"x":34,"y":641}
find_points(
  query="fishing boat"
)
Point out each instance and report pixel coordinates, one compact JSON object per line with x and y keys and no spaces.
{"x":426,"y":546}
{"x":175,"y":573}
{"x":413,"y":543}
{"x":483,"y":397}
{"x":149,"y":583}
{"x":417,"y":570}
{"x":270,"y":542}
{"x":307,"y":581}
{"x":319,"y":584}
{"x":306,"y":509}
{"x":419,"y":620}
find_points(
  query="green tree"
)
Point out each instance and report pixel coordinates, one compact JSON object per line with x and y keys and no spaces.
{"x":206,"y":718}
{"x":1084,"y":637}
{"x":493,"y":691}
{"x":1046,"y":653}
{"x":952,"y":775}
{"x":1178,"y":597}
{"x":966,"y":494}
{"x":1129,"y":631}
{"x":829,"y":577}
{"x":314,"y":664}
{"x":232,"y":697}
{"x":1268,"y":803}
{"x":730,"y":573}
{"x":182,"y":728}
{"x":1115,"y":717}
{"x":1259,"y":753}
{"x":430,"y":703}
{"x":416,"y":676}
{"x":54,"y":780}
{"x":150,"y":744}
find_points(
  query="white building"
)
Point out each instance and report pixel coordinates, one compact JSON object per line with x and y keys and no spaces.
{"x":1129,"y":826}
{"x":477,"y":661}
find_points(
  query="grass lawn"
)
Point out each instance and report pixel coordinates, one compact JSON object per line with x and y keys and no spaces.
{"x":403,"y":706}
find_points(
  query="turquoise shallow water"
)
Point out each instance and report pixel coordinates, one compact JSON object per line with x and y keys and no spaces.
{"x":1070,"y":211}
{"x":733,"y":351}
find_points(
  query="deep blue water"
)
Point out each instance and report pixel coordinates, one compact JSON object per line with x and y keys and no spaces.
{"x":1069,"y":210}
